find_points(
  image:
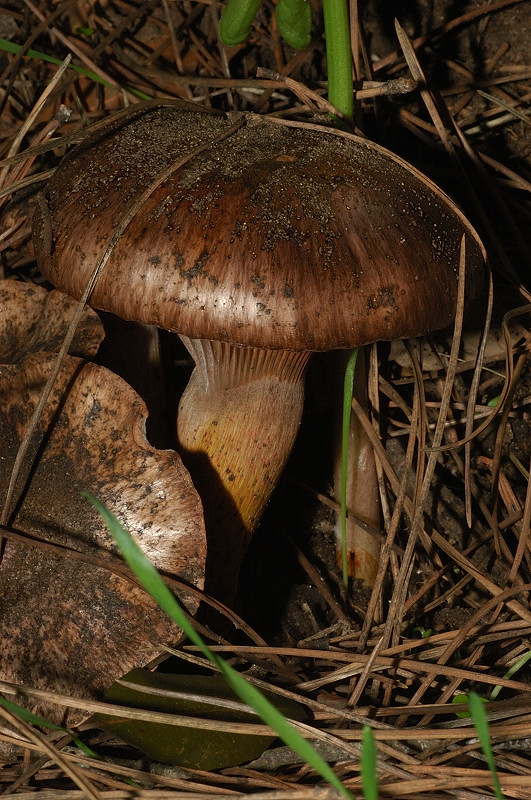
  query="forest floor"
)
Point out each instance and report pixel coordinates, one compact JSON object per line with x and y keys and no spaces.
{"x":451,"y":611}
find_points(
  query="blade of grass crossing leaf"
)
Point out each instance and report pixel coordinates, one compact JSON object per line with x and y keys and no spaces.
{"x":27,"y":716}
{"x":348,"y":386}
{"x":152,"y":582}
{"x":369,"y":775}
{"x":479,"y":718}
{"x":32,"y":719}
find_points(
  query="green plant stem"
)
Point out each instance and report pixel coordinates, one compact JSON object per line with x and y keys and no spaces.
{"x":338,"y":56}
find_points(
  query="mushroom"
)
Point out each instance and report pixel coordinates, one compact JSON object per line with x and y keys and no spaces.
{"x":260,"y":241}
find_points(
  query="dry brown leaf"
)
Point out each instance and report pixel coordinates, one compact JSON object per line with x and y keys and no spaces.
{"x":35,"y":319}
{"x":66,"y":624}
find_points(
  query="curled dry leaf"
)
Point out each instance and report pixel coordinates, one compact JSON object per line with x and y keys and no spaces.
{"x":65,"y":624}
{"x":36,"y":319}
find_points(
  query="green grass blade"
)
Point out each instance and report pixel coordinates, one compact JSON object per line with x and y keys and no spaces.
{"x":28,"y":716}
{"x":152,"y":582}
{"x":11,"y":47}
{"x":510,"y":672}
{"x":481,"y":724}
{"x":369,"y":773}
{"x":519,"y":466}
{"x":32,"y":719}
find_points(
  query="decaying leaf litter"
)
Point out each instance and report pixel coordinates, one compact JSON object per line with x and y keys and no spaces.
{"x":462,"y":619}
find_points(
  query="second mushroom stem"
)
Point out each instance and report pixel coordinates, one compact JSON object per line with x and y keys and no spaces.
{"x":355,"y":544}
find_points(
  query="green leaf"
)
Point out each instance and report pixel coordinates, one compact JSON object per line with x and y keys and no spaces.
{"x":424,"y":632}
{"x":462,"y":699}
{"x":190,"y":696}
{"x":152,"y":582}
{"x":294,"y":20}
{"x":81,"y":30}
{"x":235,"y":22}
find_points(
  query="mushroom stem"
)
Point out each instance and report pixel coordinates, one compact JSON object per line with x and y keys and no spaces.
{"x":236,"y":425}
{"x":132,"y":351}
{"x":362,"y":497}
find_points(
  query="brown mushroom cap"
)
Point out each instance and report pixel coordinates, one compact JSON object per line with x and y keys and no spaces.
{"x":280,"y":236}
